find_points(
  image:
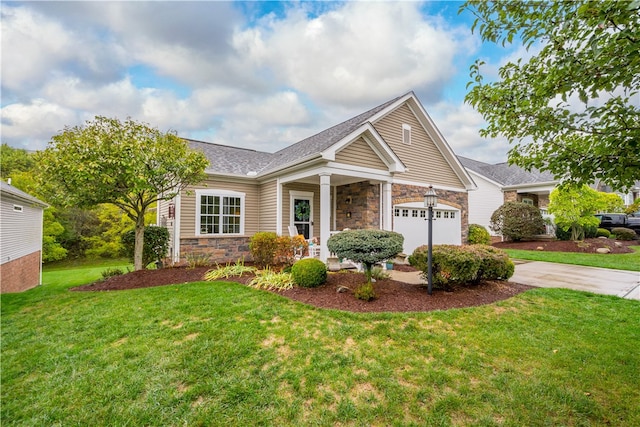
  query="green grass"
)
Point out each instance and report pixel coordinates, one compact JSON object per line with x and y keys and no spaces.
{"x":629,"y":261}
{"x":214,"y":353}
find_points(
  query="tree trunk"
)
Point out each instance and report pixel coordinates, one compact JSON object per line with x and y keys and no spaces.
{"x":139,"y":244}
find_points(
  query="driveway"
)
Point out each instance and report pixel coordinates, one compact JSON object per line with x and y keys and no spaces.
{"x":624,"y":284}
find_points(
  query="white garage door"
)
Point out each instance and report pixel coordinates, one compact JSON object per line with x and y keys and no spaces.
{"x":410,"y":220}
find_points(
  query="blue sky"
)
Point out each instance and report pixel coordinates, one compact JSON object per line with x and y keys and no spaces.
{"x":259,"y":75}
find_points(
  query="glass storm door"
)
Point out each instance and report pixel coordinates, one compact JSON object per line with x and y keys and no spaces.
{"x":302,"y":219}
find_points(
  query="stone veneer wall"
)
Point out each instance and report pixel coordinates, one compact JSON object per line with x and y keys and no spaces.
{"x":20,"y":274}
{"x":362,"y":199}
{"x":459,"y":200}
{"x":510,"y":196}
{"x":219,"y":249}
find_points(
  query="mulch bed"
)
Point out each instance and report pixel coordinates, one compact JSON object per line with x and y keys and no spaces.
{"x":393,"y":296}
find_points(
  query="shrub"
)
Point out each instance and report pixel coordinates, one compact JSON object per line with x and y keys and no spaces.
{"x":110,"y":272}
{"x":365,"y":292}
{"x":156,"y":244}
{"x":366,"y":246}
{"x":479,"y":235}
{"x":517,"y":221}
{"x":288,"y":247}
{"x":309,"y":273}
{"x":379,"y":274}
{"x":623,"y":233}
{"x":458,"y":265}
{"x":602,"y":232}
{"x":494,"y":263}
{"x":229,"y":270}
{"x":590,"y":231}
{"x":563,"y":234}
{"x":263,"y":247}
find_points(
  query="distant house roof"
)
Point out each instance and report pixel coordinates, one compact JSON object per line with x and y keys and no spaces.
{"x":19,"y":194}
{"x":241,"y":161}
{"x":505,"y":174}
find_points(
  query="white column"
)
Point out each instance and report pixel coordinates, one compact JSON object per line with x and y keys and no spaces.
{"x":387,"y":208}
{"x":176,"y":229}
{"x":325,"y":214}
{"x":279,"y":207}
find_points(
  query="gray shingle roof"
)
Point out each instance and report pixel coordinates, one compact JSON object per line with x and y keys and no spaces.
{"x":505,"y":174}
{"x":233,"y":160}
{"x":10,"y":189}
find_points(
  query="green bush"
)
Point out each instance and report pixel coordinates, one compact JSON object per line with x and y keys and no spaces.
{"x":459,"y":265}
{"x":494,"y":263}
{"x":623,"y":233}
{"x":590,"y":231}
{"x":110,"y":272}
{"x":517,"y":221}
{"x":309,"y":273}
{"x":479,"y":235}
{"x":156,"y":244}
{"x":264,"y":246}
{"x":365,"y":292}
{"x":602,"y":232}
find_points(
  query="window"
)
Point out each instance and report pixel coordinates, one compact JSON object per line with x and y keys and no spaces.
{"x":446,"y":214}
{"x":438,"y":214}
{"x":452,"y":215}
{"x":414,"y":213}
{"x":405,"y":212}
{"x":406,"y":134}
{"x":17,"y":208}
{"x":396,"y":212}
{"x":219,"y":212}
{"x":527,"y":200}
{"x":423,"y":214}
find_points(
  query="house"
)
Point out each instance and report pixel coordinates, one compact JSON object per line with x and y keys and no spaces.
{"x":20,"y":239}
{"x":368,"y":172}
{"x":500,"y":183}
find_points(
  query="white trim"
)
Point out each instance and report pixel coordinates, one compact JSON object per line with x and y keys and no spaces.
{"x":18,"y":208}
{"x":293,"y":194}
{"x":420,"y":205}
{"x":278,"y":206}
{"x":437,"y":187}
{"x":176,"y":229}
{"x":221,"y":193}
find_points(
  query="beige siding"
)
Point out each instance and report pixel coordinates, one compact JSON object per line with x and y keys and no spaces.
{"x":268,"y":206}
{"x":359,"y":153}
{"x":423,"y":159}
{"x":252,"y":204}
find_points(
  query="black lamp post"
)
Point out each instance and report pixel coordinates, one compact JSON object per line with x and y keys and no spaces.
{"x":430,"y":201}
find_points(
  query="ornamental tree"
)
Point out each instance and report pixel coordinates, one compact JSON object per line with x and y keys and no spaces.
{"x":573,"y":208}
{"x":572,"y":108}
{"x":128,"y":164}
{"x":366,"y":246}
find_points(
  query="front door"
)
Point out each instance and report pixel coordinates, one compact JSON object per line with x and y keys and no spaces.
{"x":302,"y":215}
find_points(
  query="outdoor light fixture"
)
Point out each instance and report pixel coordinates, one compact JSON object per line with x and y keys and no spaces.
{"x":349,"y":214}
{"x":430,"y":201}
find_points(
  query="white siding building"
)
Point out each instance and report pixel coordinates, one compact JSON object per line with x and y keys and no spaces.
{"x":20,"y":239}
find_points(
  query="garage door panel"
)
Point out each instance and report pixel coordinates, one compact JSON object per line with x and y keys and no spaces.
{"x":413,"y":225}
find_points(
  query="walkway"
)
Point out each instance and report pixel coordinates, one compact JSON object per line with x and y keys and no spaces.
{"x":625,"y":284}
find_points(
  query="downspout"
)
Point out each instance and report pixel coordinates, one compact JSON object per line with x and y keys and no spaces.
{"x":176,"y":230}
{"x":41,"y":237}
{"x":278,"y":207}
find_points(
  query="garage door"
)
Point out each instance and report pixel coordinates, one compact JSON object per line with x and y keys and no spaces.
{"x":410,"y":220}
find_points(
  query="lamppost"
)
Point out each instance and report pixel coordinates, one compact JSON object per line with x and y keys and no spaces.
{"x":430,"y":201}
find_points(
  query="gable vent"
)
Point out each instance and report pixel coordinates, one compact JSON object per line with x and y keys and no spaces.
{"x":406,"y":134}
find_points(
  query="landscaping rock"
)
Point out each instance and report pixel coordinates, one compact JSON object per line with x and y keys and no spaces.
{"x":618,"y":244}
{"x":342,"y":289}
{"x":603,"y":250}
{"x":539,"y":248}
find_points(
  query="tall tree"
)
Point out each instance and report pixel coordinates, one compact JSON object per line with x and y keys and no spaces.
{"x":573,"y":207}
{"x":128,"y":164}
{"x":574,"y":107}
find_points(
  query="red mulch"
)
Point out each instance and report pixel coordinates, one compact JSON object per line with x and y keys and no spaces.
{"x":586,"y":246}
{"x":392,"y":295}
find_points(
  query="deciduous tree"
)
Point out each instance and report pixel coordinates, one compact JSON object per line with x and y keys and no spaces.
{"x":573,"y":108}
{"x":128,"y":164}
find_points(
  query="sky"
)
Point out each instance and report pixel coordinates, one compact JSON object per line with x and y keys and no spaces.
{"x":259,"y":75}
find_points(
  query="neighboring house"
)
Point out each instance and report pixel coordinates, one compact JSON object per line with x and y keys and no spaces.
{"x":501,"y":183}
{"x":20,"y":239}
{"x":369,"y":172}
{"x":628,"y":198}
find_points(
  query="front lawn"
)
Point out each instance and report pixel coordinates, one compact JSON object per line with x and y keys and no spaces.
{"x":214,"y":353}
{"x":630,"y":262}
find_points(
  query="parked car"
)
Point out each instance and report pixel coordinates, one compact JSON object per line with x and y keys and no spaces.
{"x":613,"y":220}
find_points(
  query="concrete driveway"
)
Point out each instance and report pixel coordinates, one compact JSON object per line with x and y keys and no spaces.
{"x":624,"y":284}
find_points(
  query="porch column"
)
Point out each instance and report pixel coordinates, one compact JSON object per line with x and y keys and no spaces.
{"x":387,"y":207}
{"x":325,"y":214}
